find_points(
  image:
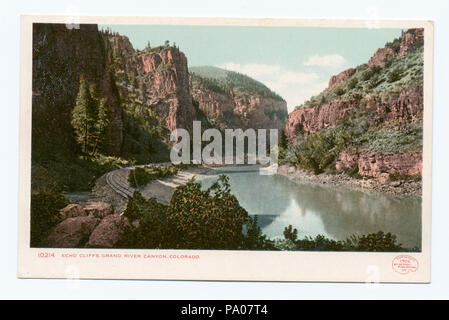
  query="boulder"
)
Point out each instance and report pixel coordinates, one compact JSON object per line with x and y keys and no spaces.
{"x":72,"y":232}
{"x":383,"y":178}
{"x":98,"y":209}
{"x":71,"y":211}
{"x":108,"y":232}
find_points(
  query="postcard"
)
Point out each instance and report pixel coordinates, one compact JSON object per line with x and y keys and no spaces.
{"x":225,"y":149}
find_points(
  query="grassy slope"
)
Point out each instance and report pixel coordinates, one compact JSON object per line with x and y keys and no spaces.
{"x":319,"y":151}
{"x":398,"y":74}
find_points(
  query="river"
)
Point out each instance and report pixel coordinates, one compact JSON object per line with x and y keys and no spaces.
{"x":333,"y":211}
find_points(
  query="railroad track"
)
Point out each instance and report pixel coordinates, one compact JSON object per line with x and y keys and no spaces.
{"x":117,"y":180}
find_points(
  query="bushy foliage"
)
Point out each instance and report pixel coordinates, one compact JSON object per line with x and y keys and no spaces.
{"x":153,"y":230}
{"x":353,"y":172}
{"x":400,"y":138}
{"x":373,"y":242}
{"x":254,"y":238}
{"x":209,"y":219}
{"x":194,"y":219}
{"x":379,"y":241}
{"x":290,"y":233}
{"x":395,"y":74}
{"x":45,"y":208}
{"x":319,"y":151}
{"x":141,"y":176}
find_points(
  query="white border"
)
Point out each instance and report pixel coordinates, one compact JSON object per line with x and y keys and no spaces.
{"x":222,"y":265}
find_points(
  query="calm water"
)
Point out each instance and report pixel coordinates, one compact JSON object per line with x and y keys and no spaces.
{"x":335,"y":212}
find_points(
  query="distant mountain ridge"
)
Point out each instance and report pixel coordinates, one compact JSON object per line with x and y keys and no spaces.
{"x":227,"y":79}
{"x":233,"y":100}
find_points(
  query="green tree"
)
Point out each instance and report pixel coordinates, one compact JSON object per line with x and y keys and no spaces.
{"x":90,"y":119}
{"x":101,"y":125}
{"x":84,"y":116}
{"x":209,"y":219}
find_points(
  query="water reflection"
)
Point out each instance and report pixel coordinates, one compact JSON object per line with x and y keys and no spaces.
{"x":335,"y":212}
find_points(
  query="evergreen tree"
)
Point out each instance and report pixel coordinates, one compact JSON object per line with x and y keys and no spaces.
{"x":101,"y":125}
{"x":90,"y":119}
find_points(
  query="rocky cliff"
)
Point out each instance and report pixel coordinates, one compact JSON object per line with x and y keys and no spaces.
{"x":166,"y":83}
{"x":60,"y":56}
{"x":157,"y":78}
{"x":381,"y":165}
{"x":375,"y":110}
{"x":233,"y":100}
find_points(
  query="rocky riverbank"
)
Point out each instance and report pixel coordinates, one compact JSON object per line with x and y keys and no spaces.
{"x":399,"y":187}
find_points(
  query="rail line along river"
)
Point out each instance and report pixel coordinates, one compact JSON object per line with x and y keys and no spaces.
{"x":333,"y":211}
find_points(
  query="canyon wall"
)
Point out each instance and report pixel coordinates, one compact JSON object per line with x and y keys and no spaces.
{"x":386,"y":93}
{"x":166,"y":83}
{"x":308,"y":120}
{"x":241,"y":109}
{"x":60,"y":56}
{"x":160,"y":79}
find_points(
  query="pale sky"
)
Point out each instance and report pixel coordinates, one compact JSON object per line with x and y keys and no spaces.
{"x":295,"y":62}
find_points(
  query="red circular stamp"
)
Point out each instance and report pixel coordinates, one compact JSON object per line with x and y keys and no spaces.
{"x":405,"y":264}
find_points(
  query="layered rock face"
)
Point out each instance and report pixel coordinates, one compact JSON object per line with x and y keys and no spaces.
{"x":379,"y":164}
{"x":382,"y":96}
{"x":166,"y":79}
{"x":60,"y":56}
{"x":308,"y":120}
{"x":408,"y":106}
{"x":159,"y":77}
{"x":241,"y":109}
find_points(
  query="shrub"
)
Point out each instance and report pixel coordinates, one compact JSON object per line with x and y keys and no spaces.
{"x":319,"y":151}
{"x":255,"y":239}
{"x":141,"y":176}
{"x":290,"y":233}
{"x":194,"y":219}
{"x":138,"y":177}
{"x":352,"y":83}
{"x":374,"y":242}
{"x":378,"y":242}
{"x":340,"y":91}
{"x":210,"y":219}
{"x":153,"y":230}
{"x":395,"y":75}
{"x":45,"y":208}
{"x":375,"y":81}
{"x":353,"y":172}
